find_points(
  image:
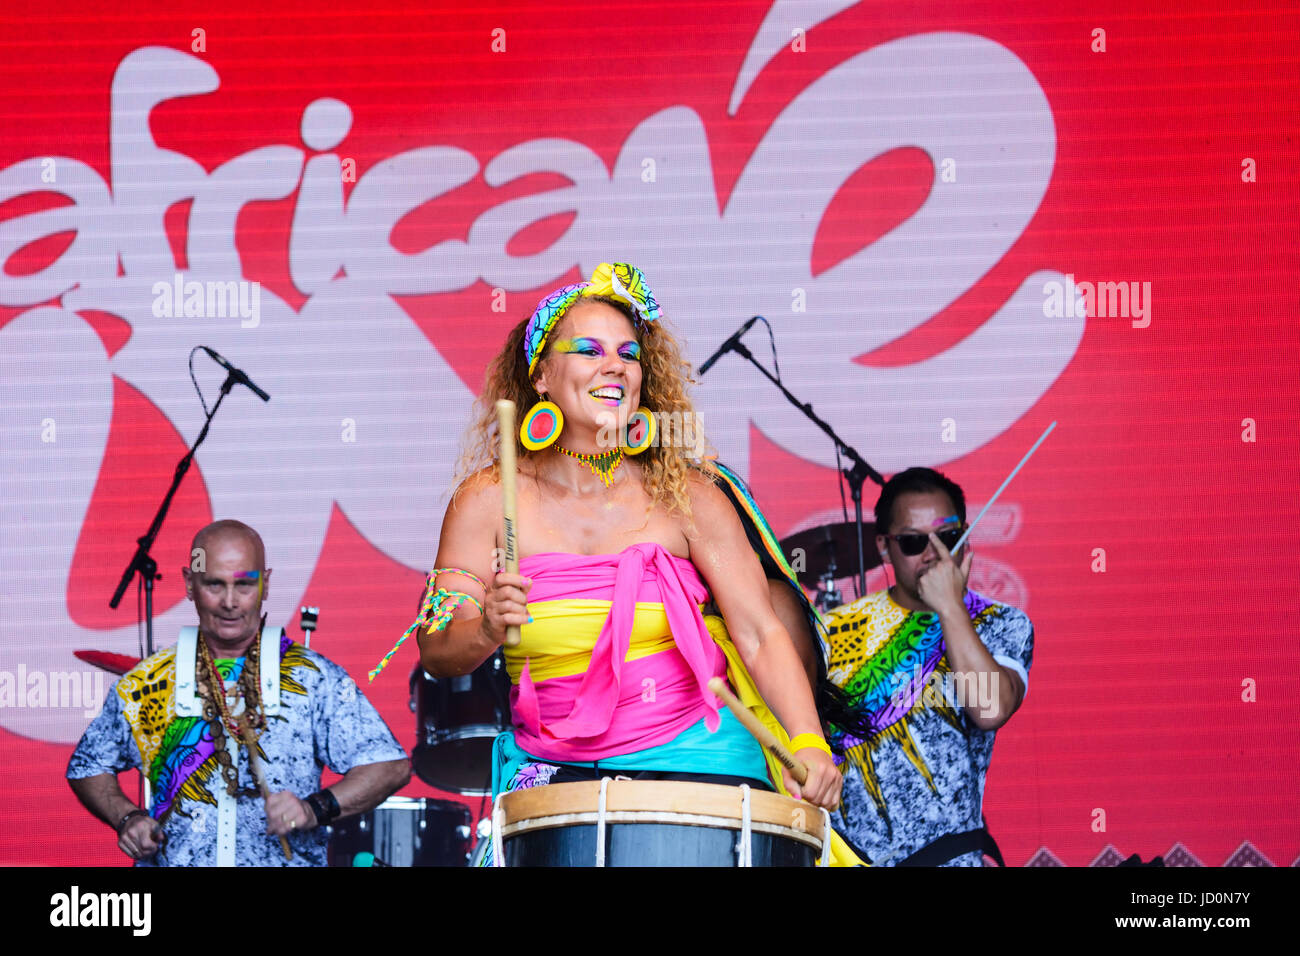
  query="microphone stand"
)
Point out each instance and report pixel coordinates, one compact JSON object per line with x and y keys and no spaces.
{"x":855,"y":476}
{"x":143,"y":561}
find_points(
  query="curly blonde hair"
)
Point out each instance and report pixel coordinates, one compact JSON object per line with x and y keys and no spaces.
{"x":665,"y":467}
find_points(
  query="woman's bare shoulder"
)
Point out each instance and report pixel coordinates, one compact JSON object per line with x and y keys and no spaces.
{"x":480,"y":490}
{"x":704,"y":493}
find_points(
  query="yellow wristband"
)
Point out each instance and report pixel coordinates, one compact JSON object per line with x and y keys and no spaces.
{"x":809,"y":740}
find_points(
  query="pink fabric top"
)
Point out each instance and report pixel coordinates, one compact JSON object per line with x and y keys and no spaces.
{"x":603,"y":712}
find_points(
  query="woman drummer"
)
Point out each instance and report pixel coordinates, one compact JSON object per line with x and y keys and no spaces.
{"x":621,"y":539}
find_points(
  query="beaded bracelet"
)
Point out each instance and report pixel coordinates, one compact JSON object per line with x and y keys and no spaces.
{"x":437,"y":610}
{"x":809,"y":740}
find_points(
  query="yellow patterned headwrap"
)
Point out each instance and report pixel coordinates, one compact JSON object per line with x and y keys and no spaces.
{"x":618,"y":280}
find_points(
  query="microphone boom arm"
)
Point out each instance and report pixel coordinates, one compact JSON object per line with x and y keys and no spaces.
{"x":856,"y":475}
{"x":143,"y":561}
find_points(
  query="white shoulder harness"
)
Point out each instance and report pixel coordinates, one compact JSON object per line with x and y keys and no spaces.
{"x":188,"y":705}
{"x":187,"y":659}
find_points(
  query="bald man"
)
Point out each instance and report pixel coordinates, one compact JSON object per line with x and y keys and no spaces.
{"x":189,"y":731}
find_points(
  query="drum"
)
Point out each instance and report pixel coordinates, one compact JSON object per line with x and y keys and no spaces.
{"x":483,"y":845}
{"x":404,"y":831}
{"x":656,"y":823}
{"x":456,"y":720}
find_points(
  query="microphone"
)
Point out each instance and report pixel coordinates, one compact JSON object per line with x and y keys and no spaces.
{"x":728,"y":345}
{"x":364,"y":859}
{"x":235,"y":373}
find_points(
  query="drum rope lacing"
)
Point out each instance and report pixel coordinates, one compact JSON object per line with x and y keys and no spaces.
{"x":498,"y":824}
{"x":600,"y":822}
{"x":746,"y":837}
{"x":826,"y":837}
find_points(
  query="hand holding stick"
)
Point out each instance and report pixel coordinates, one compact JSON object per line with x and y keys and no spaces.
{"x":797,"y":768}
{"x":255,"y":765}
{"x":506,"y":428}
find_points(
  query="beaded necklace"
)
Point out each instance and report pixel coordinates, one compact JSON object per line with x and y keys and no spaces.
{"x":216,"y":712}
{"x":601,"y":465}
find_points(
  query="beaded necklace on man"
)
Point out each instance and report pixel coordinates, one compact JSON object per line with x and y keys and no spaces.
{"x":212,"y":689}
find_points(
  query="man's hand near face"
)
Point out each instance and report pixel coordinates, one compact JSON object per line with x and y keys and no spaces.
{"x":942,"y":585}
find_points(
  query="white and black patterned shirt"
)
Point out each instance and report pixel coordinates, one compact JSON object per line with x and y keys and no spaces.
{"x":916,"y":765}
{"x":324,"y":721}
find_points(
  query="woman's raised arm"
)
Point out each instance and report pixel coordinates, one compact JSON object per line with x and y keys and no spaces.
{"x":469,"y":543}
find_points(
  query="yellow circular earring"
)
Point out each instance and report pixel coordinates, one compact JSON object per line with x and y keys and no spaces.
{"x":641,"y":432}
{"x":541,"y":426}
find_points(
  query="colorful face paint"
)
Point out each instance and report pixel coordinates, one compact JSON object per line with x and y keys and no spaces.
{"x":579,"y":346}
{"x":252,"y":576}
{"x":940,"y":522}
{"x":628,"y":351}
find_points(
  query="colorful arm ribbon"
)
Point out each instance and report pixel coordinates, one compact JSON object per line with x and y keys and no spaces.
{"x":435,"y":614}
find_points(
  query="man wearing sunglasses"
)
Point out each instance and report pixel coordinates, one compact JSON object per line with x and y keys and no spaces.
{"x":931,"y":671}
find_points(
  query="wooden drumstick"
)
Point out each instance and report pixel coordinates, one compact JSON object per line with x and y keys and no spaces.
{"x":255,"y":765}
{"x":797,"y":768}
{"x":506,"y":427}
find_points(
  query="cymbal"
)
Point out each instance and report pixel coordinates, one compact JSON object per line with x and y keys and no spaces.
{"x":838,"y":542}
{"x":107,"y":661}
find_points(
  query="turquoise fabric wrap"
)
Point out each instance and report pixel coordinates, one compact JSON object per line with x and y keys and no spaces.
{"x":731,"y":751}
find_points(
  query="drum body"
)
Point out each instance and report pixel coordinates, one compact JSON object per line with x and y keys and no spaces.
{"x":456,"y":721}
{"x":656,"y":823}
{"x":405,"y":831}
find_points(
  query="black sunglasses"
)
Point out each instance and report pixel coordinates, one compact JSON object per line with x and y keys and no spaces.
{"x":913,"y":544}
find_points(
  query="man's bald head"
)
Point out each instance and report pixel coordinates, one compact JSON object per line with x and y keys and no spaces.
{"x":228,"y":529}
{"x":227,"y":580}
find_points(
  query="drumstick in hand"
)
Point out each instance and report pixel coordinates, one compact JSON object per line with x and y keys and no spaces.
{"x":797,"y":768}
{"x":255,"y":765}
{"x":506,"y":427}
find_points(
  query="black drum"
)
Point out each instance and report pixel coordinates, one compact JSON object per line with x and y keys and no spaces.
{"x":657,"y":823}
{"x":404,"y":831}
{"x":456,"y":721}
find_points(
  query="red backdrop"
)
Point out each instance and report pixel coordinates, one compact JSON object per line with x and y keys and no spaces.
{"x":1157,"y":711}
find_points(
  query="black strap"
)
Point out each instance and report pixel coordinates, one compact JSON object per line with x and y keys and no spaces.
{"x":952,"y":845}
{"x":325,"y":806}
